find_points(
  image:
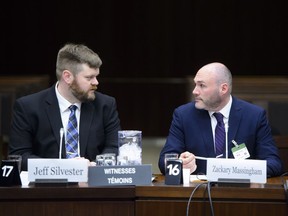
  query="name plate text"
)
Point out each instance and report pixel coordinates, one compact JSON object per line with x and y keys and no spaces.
{"x":70,"y":169}
{"x":120,"y":175}
{"x":253,"y":170}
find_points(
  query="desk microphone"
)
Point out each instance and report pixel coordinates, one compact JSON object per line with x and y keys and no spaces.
{"x":226,"y":140}
{"x":61,"y":140}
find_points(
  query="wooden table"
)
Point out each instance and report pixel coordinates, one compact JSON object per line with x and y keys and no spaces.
{"x":70,"y":200}
{"x":257,"y":199}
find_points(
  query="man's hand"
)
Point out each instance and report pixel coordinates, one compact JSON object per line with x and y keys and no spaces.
{"x":189,"y":161}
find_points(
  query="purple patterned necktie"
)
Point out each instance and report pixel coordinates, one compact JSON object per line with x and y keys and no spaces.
{"x":219,"y":135}
{"x":72,"y":134}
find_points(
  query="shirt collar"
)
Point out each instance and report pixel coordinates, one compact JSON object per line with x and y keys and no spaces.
{"x":225,"y":110}
{"x":63,"y":103}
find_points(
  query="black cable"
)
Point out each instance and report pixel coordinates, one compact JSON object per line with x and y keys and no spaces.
{"x":210,"y":199}
{"x":284,"y":182}
{"x":208,"y":188}
{"x":208,"y":184}
{"x":204,"y":199}
{"x":190,"y":198}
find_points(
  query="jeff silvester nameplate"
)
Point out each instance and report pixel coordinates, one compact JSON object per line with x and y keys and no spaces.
{"x":120,"y":175}
{"x":72,"y":170}
{"x":51,"y":171}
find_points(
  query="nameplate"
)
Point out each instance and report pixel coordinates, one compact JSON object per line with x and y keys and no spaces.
{"x":253,"y":170}
{"x":120,"y":175}
{"x":53,"y":169}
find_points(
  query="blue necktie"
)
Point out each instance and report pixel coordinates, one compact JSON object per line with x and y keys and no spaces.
{"x":219,"y":134}
{"x":72,"y":134}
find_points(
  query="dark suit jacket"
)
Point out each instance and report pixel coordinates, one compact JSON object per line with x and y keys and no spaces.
{"x":191,"y":131}
{"x":36,"y":124}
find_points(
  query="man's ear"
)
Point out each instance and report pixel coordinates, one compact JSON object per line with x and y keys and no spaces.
{"x":224,"y":88}
{"x":67,"y":76}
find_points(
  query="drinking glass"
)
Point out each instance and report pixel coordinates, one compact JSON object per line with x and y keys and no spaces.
{"x":17,"y":158}
{"x":170,"y":156}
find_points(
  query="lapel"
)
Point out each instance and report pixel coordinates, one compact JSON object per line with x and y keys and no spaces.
{"x":234,"y":119}
{"x":86,"y":117}
{"x":235,"y":116}
{"x":53,"y":112}
{"x":206,"y":132}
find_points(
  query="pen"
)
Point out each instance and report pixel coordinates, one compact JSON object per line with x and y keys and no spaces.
{"x":200,"y":158}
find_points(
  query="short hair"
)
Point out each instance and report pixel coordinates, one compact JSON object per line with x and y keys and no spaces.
{"x":72,"y":56}
{"x":222,"y":74}
{"x":226,"y":75}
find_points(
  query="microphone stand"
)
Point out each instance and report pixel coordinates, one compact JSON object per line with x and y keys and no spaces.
{"x":61,"y":140}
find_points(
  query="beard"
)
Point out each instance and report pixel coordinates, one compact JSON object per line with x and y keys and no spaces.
{"x":80,"y":94}
{"x":210,"y":104}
